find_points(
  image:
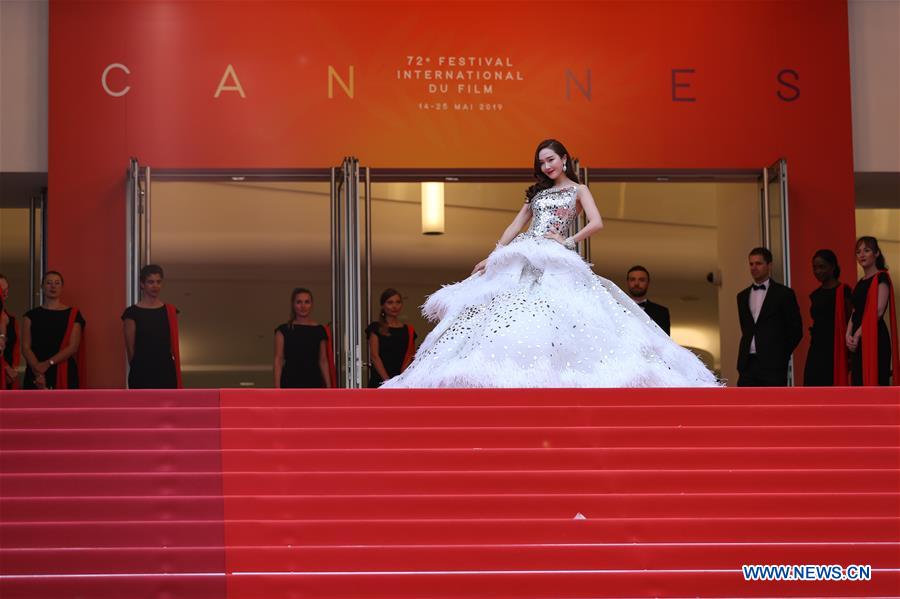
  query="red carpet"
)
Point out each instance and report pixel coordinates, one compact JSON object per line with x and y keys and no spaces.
{"x":528,"y":494}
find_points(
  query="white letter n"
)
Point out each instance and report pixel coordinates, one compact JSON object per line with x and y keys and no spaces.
{"x":332,"y":76}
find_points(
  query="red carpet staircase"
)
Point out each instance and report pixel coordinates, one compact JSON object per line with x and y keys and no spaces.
{"x":526,"y":494}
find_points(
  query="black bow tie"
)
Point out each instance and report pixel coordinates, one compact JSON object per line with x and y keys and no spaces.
{"x":758,"y":287}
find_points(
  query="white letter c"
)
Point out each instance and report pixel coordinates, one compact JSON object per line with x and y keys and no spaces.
{"x":106,"y":71}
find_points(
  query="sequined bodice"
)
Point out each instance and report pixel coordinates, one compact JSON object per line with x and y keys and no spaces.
{"x":552,"y":211}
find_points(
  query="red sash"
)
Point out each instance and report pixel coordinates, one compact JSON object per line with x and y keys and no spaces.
{"x":2,"y":359}
{"x":329,"y":347}
{"x":17,"y":347}
{"x":174,"y":347}
{"x":869,"y":338}
{"x":16,"y":355}
{"x":410,"y":348}
{"x":841,"y":377}
{"x":62,"y":369}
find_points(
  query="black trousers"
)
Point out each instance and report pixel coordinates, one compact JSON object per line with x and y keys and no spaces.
{"x":754,"y":375}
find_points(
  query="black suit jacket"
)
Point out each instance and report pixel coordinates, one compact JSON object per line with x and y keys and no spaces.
{"x":778,"y":329}
{"x":659,"y":314}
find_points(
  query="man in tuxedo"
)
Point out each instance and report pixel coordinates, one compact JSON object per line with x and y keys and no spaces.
{"x":770,"y":326}
{"x":638,"y":279}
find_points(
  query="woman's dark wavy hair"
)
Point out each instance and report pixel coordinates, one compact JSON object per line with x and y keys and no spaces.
{"x":872,"y":243}
{"x":831,"y":259}
{"x":543,"y":181}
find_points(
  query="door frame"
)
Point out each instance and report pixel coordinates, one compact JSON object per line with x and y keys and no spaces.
{"x":138,"y":212}
{"x":351,"y":191}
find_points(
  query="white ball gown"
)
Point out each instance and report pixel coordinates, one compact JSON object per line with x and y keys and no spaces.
{"x":539,"y":317}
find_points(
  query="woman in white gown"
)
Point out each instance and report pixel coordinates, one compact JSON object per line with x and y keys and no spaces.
{"x":533,"y":313}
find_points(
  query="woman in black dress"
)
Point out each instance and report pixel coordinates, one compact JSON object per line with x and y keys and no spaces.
{"x":9,"y":340}
{"x":51,"y":337}
{"x":829,"y":321}
{"x":391,"y":343}
{"x":151,"y":337}
{"x":301,"y":348}
{"x":874,"y":348}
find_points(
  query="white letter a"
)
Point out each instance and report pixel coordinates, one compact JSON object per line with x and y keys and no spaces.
{"x":229,"y":71}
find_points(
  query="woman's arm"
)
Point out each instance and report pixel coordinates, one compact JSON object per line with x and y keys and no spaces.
{"x":5,"y":328}
{"x":279,"y":358}
{"x":69,"y":350}
{"x":4,"y":324}
{"x":37,"y":368}
{"x":594,"y":222}
{"x":849,"y":338}
{"x":883,"y":295}
{"x":408,"y":360}
{"x":29,"y":356}
{"x":130,"y":329}
{"x":375,"y":357}
{"x":518,"y":223}
{"x":323,"y":363}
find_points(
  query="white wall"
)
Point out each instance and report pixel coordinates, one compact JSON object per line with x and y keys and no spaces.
{"x":23,"y":85}
{"x":875,"y":84}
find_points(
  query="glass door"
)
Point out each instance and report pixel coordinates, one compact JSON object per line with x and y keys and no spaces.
{"x":404,"y":253}
{"x":137,"y":223}
{"x":351,"y":267}
{"x":234,"y":244}
{"x":23,"y":238}
{"x":773,"y":190}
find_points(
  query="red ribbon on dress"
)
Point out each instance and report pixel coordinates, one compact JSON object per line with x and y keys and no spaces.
{"x":16,"y":355}
{"x":17,"y":347}
{"x":869,"y":339}
{"x":2,"y":359}
{"x":62,"y":369}
{"x":174,"y":346}
{"x":410,"y":348}
{"x":329,"y":348}
{"x":16,"y":352}
{"x":841,"y":374}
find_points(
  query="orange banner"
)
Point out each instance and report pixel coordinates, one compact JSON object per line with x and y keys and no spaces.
{"x":443,"y":84}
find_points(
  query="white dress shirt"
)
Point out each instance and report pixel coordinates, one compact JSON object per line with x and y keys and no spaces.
{"x":757,"y":297}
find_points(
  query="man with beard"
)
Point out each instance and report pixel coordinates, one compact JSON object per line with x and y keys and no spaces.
{"x":638,"y":279}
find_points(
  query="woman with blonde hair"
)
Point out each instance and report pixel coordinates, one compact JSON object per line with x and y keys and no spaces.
{"x":52,"y":336}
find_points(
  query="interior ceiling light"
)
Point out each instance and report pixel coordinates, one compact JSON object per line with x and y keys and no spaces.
{"x":432,"y":208}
